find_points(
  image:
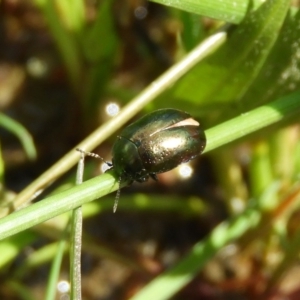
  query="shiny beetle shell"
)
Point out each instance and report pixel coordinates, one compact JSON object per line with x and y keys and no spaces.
{"x":157,"y":143}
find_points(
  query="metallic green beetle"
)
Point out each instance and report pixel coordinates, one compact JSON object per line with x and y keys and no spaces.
{"x":157,"y":143}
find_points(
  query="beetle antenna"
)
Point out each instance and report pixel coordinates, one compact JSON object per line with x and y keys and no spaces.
{"x":117,"y":195}
{"x":93,"y":155}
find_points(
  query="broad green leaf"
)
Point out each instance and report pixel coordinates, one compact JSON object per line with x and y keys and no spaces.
{"x":225,"y":10}
{"x":227,"y":75}
{"x":281,"y":72}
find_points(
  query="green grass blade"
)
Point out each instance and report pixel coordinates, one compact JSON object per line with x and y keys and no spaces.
{"x":57,"y":204}
{"x":156,"y":88}
{"x":65,"y":41}
{"x":73,"y":15}
{"x":99,"y":45}
{"x":106,"y":183}
{"x":169,"y":283}
{"x":55,"y":268}
{"x":22,"y":134}
{"x":252,"y":121}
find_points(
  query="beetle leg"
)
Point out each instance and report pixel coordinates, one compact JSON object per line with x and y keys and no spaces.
{"x":141,"y":180}
{"x":94,"y":155}
{"x":117,"y":195}
{"x":153,"y":176}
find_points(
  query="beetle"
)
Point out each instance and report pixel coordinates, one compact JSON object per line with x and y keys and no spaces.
{"x":155,"y":143}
